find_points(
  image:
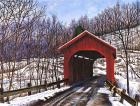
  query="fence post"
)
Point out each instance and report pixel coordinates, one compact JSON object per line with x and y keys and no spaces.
{"x":45,"y":82}
{"x":137,"y":99}
{"x":29,"y":85}
{"x":110,"y":87}
{"x":7,"y":99}
{"x":122,"y":92}
{"x":114,"y":92}
{"x":1,"y":95}
{"x":58,"y":84}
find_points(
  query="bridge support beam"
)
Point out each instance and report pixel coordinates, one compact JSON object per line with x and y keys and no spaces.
{"x":110,"y":69}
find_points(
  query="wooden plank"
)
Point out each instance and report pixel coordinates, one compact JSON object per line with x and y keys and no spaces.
{"x":109,"y":83}
{"x":129,"y":99}
{"x":118,"y":91}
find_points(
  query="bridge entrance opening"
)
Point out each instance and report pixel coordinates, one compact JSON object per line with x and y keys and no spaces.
{"x":82,"y":64}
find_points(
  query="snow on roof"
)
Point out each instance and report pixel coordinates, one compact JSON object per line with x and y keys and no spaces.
{"x":81,"y":35}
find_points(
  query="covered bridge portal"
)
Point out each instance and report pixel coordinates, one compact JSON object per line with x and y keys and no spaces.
{"x":80,"y":54}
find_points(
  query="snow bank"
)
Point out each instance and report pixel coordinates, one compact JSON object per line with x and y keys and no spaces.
{"x":134,"y":86}
{"x":104,"y":90}
{"x":4,"y":104}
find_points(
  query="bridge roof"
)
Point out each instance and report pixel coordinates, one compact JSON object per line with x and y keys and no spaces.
{"x":85,"y":33}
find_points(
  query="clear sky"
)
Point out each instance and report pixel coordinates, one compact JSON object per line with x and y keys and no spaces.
{"x":66,"y":10}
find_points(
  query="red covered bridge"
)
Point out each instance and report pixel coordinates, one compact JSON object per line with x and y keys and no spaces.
{"x":80,"y":54}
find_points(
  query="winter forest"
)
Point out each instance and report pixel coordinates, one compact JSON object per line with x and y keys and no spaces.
{"x":29,"y":41}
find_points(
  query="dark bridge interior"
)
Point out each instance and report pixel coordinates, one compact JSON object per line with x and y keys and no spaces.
{"x":82,"y":65}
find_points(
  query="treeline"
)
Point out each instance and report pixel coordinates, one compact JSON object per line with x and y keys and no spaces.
{"x":25,"y":32}
{"x":121,"y":16}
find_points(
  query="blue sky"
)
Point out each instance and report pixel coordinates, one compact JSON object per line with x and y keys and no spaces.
{"x":66,"y":10}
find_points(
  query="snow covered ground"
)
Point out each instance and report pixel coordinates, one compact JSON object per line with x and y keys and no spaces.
{"x":134,"y":82}
{"x":134,"y":86}
{"x":26,"y":72}
{"x":122,"y":83}
{"x":99,"y":69}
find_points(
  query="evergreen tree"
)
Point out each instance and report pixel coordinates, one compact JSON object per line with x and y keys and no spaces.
{"x":79,"y":29}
